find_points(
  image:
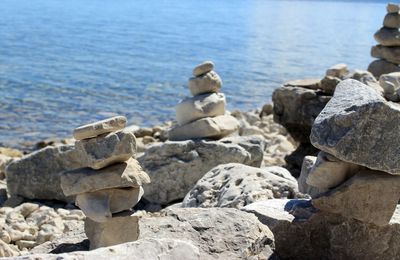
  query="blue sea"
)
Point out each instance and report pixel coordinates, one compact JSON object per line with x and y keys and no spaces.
{"x":66,"y":63}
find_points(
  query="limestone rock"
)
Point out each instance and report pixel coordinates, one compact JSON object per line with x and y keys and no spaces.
{"x":200,"y":106}
{"x":175,"y":167}
{"x":392,"y":20}
{"x":253,"y":144}
{"x":391,"y":85}
{"x":388,"y":37}
{"x":327,"y":173}
{"x":329,"y":83}
{"x":368,"y":196}
{"x":359,"y":126}
{"x":210,"y":127}
{"x":126,"y":174}
{"x":235,"y":185}
{"x":121,"y":228}
{"x":339,"y":71}
{"x":209,"y":82}
{"x":367,"y":78}
{"x":308,"y":163}
{"x":296,"y":108}
{"x":379,"y":67}
{"x":8,"y":250}
{"x":203,"y":68}
{"x":391,"y":54}
{"x":304,"y":83}
{"x":100,"y":205}
{"x":105,"y":150}
{"x":392,"y":8}
{"x":37,"y":175}
{"x":100,"y":127}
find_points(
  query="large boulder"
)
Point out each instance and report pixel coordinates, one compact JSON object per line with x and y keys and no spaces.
{"x":296,"y":108}
{"x":175,"y":167}
{"x":359,"y":126}
{"x":235,"y":185}
{"x":301,"y":232}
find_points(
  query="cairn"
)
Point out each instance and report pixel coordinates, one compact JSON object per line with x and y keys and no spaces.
{"x":108,"y":189}
{"x":388,"y":49}
{"x":204,"y":114}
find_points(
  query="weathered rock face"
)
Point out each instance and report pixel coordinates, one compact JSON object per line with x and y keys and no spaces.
{"x":210,"y":127}
{"x":201,"y":106}
{"x":37,"y":175}
{"x":235,"y":185}
{"x":388,"y":37}
{"x":101,"y":127}
{"x":206,"y":83}
{"x":369,"y":196}
{"x":302,"y":233}
{"x":308,"y":164}
{"x":379,"y":67}
{"x":359,"y":126}
{"x":296,"y":108}
{"x":105,"y":150}
{"x":175,"y":167}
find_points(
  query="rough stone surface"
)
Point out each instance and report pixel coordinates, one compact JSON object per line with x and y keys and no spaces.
{"x":37,"y":175}
{"x":379,"y":67}
{"x":294,"y":160}
{"x":235,"y":185}
{"x":339,"y":71}
{"x":369,"y":196}
{"x":253,"y":144}
{"x":126,"y":174}
{"x":203,"y":68}
{"x":359,"y":126}
{"x":175,"y":167}
{"x":392,"y":8}
{"x":207,"y":83}
{"x":391,"y":86}
{"x":329,"y":83}
{"x":105,"y":150}
{"x":101,"y":127}
{"x":100,"y":205}
{"x":301,"y":233}
{"x":388,"y":37}
{"x":296,"y":108}
{"x":210,"y":127}
{"x":392,"y":20}
{"x":308,"y":163}
{"x":391,"y":54}
{"x":304,"y":83}
{"x":200,"y":106}
{"x":327,"y":173}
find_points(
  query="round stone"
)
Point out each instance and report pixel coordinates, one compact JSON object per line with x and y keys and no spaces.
{"x":203,"y":68}
{"x":207,"y":83}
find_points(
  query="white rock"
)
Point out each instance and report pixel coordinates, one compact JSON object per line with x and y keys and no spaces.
{"x":100,"y":127}
{"x":209,"y":82}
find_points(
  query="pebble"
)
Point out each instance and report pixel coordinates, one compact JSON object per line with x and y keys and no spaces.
{"x":203,"y":68}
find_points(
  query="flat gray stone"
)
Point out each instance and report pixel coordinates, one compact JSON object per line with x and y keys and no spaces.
{"x":203,"y":68}
{"x":339,"y":71}
{"x":100,"y":127}
{"x":392,"y":20}
{"x":304,"y":83}
{"x":207,"y":83}
{"x":380,"y":67}
{"x":391,"y":54}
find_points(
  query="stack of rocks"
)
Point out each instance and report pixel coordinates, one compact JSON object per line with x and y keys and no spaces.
{"x":203,"y":115}
{"x":357,"y":170}
{"x":388,"y":49}
{"x":107,"y":190}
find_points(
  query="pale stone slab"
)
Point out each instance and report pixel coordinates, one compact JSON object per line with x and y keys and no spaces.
{"x":388,"y":37}
{"x":207,"y":83}
{"x":304,"y":83}
{"x":126,"y":174}
{"x":306,"y":167}
{"x":210,"y":127}
{"x":101,"y":127}
{"x":100,"y":205}
{"x":105,"y":150}
{"x":121,"y":228}
{"x":200,"y":106}
{"x":203,"y":68}
{"x":339,"y":71}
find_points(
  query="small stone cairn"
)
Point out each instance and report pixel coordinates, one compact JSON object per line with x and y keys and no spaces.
{"x":108,"y":189}
{"x":203,"y":115}
{"x":388,"y":49}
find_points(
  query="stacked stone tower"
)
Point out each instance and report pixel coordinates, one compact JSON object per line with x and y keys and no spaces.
{"x":388,"y":49}
{"x":107,"y":190}
{"x":203,"y":115}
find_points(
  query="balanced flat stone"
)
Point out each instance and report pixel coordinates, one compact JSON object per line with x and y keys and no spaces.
{"x":200,"y":106}
{"x":391,"y":86}
{"x":100,"y":205}
{"x":207,"y":83}
{"x":125,"y":174}
{"x":391,"y":54}
{"x":121,"y":228}
{"x":392,"y":20}
{"x":388,"y":37}
{"x":210,"y":127}
{"x":368,"y":196}
{"x":308,"y":163}
{"x":304,"y":83}
{"x":392,"y":8}
{"x":105,"y":150}
{"x":380,"y":67}
{"x":101,"y":127}
{"x":359,"y":126}
{"x":339,"y":71}
{"x":203,"y":68}
{"x":327,"y":173}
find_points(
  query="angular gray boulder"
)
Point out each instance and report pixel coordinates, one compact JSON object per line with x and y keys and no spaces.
{"x":359,"y":126}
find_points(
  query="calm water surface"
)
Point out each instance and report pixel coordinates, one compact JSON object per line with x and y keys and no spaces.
{"x":65,"y":63}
